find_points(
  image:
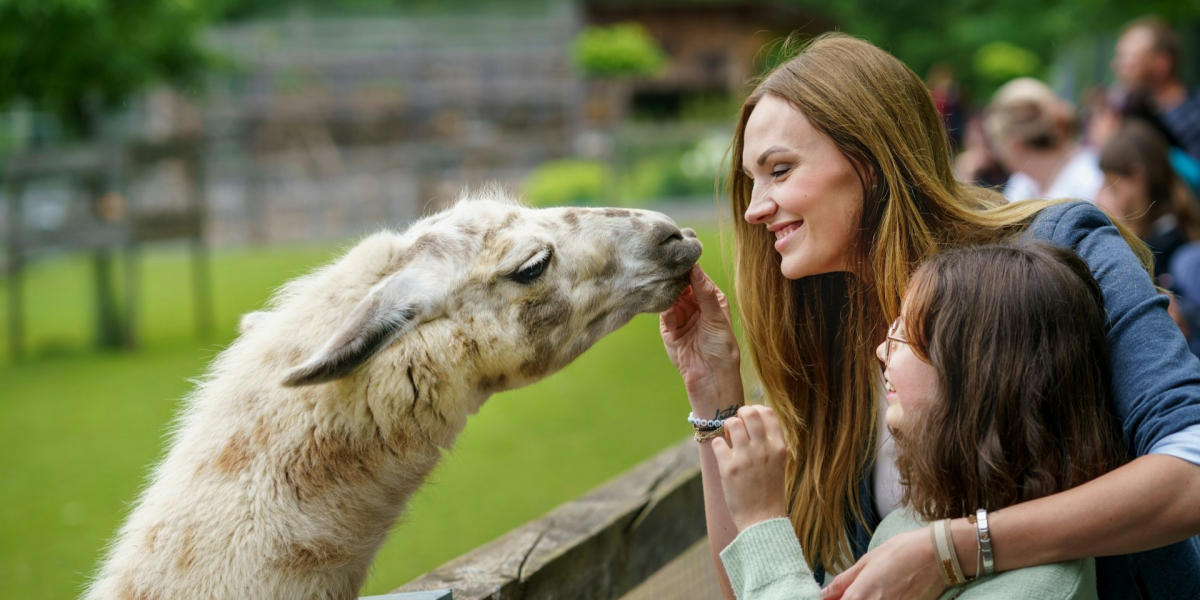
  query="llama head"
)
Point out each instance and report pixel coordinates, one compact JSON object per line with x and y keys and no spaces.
{"x":525,"y":290}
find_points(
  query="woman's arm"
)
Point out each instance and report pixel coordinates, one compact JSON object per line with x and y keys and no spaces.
{"x":1151,"y":502}
{"x":698,"y":334}
{"x":721,"y":530}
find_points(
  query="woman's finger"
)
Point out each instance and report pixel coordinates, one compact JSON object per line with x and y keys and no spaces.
{"x":736,"y":430}
{"x":721,"y":450}
{"x":840,"y":583}
{"x":666,"y":322}
{"x":771,"y":428}
{"x":753,"y":420}
{"x":724,"y":304}
{"x":706,"y":292}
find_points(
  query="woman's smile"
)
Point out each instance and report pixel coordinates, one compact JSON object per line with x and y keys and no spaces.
{"x":784,"y":234}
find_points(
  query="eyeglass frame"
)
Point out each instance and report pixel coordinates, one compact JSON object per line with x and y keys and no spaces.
{"x":890,"y":347}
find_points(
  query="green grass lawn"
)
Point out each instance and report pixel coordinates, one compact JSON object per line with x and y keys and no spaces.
{"x":80,"y":428}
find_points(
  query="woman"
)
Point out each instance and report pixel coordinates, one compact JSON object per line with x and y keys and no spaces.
{"x":1033,"y":132}
{"x":977,"y":423}
{"x":841,"y":185}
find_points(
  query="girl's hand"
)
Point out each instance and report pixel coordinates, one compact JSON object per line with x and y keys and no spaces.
{"x":698,"y":334}
{"x":752,"y":465}
{"x":902,"y":568}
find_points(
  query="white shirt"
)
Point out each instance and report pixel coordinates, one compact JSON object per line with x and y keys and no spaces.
{"x":1079,"y":179}
{"x":885,"y":475}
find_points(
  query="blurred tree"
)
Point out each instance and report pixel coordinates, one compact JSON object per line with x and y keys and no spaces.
{"x":1002,"y":61}
{"x":956,"y":31}
{"x":244,"y":9}
{"x":71,"y":58}
{"x":624,"y":49}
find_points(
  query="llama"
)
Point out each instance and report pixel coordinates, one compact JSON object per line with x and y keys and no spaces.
{"x":298,"y":451}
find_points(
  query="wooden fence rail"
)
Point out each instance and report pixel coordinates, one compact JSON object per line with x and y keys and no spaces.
{"x":600,"y":545}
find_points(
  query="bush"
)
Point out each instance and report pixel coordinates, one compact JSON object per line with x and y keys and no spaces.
{"x":677,"y":173}
{"x":624,"y":49}
{"x":569,"y":181}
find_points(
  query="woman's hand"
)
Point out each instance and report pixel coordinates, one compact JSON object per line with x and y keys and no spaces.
{"x":698,"y":334}
{"x":752,"y":466}
{"x":902,"y":568}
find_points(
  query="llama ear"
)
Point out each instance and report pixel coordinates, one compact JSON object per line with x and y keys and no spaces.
{"x":251,"y":320}
{"x":389,"y":311}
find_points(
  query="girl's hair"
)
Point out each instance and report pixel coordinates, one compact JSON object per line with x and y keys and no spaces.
{"x":1137,"y":147}
{"x":1028,"y":110}
{"x":1016,"y":335}
{"x":812,"y":340}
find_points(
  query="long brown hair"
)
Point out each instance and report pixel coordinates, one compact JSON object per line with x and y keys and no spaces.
{"x":1016,"y":335}
{"x":812,"y":339}
{"x":1137,"y":147}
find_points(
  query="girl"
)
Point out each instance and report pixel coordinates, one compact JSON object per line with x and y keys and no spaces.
{"x":997,"y":377}
{"x":1143,"y":193}
{"x":841,"y":184}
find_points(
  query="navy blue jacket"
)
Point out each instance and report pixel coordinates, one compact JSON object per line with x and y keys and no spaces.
{"x":1155,"y":391}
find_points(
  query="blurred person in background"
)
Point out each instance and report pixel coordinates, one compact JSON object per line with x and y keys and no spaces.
{"x":977,"y":164}
{"x":1033,"y":132}
{"x":948,"y":98}
{"x":1142,"y":191}
{"x":1147,"y":59}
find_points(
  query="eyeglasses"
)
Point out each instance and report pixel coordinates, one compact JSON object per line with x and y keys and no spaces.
{"x":893,"y":338}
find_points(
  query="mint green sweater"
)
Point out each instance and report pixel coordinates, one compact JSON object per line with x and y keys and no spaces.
{"x":765,"y":562}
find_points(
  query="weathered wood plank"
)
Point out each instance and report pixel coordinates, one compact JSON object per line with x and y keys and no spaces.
{"x":430,"y":595}
{"x":598,"y":546}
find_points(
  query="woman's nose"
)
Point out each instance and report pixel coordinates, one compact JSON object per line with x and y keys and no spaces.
{"x":881,"y":352}
{"x":760,"y":210}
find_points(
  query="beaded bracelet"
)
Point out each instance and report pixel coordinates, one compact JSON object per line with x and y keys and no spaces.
{"x":705,"y":424}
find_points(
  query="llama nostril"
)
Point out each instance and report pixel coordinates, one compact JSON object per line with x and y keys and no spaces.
{"x":688,"y":232}
{"x":674,"y":236}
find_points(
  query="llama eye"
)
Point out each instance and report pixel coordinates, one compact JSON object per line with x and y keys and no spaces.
{"x":533,"y":269}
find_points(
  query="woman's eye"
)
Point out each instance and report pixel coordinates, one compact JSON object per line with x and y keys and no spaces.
{"x":780,"y":170}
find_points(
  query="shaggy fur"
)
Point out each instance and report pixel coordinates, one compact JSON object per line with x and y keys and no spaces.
{"x":298,"y":451}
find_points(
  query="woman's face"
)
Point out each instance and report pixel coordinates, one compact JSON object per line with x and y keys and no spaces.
{"x":910,"y":382}
{"x":806,"y":192}
{"x":1123,"y":197}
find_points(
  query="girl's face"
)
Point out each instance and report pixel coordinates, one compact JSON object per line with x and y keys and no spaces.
{"x":806,"y":192}
{"x":1123,"y":197}
{"x":910,"y":382}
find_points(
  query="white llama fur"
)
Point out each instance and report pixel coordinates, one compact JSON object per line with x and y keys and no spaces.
{"x":298,"y":451}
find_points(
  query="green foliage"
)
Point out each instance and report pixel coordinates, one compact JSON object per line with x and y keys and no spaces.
{"x":72,"y":57}
{"x":250,"y":9}
{"x":680,"y":173}
{"x":568,"y":181}
{"x":998,"y":62}
{"x":624,"y":49}
{"x":955,"y":30}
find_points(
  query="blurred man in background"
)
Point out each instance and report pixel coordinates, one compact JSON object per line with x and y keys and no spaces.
{"x":1147,"y":59}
